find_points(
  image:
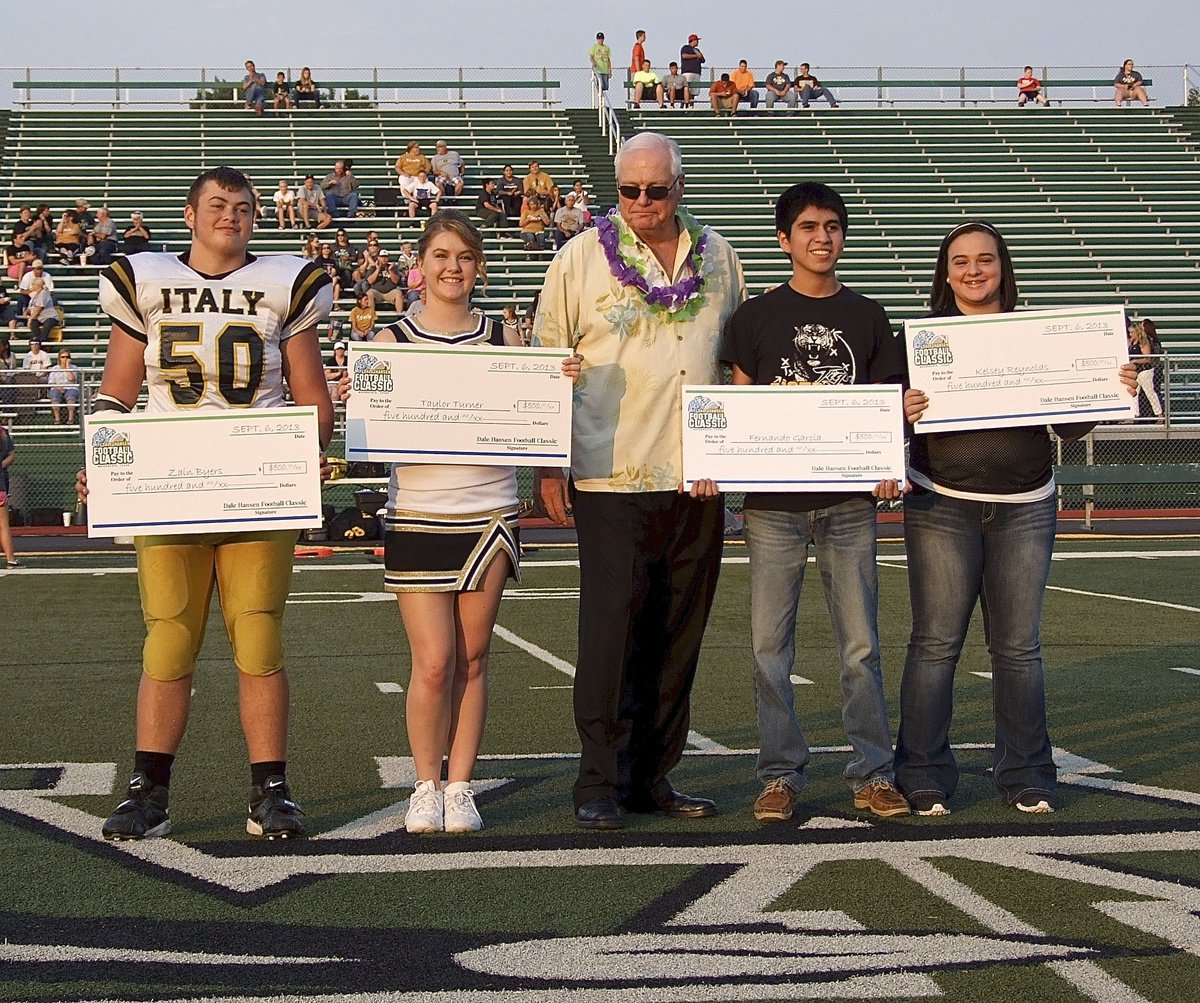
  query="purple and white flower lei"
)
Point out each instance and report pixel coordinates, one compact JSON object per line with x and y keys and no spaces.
{"x":669,"y":300}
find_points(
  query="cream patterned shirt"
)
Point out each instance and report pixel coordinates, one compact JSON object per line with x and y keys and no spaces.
{"x":627,"y":425}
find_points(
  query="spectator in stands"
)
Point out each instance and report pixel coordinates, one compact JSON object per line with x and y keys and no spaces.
{"x":363,"y":317}
{"x":540,"y":183}
{"x":327,"y":262}
{"x":312,"y":205}
{"x":102,"y":241}
{"x":1129,"y":86}
{"x":346,"y":256}
{"x":979,"y":523}
{"x":36,"y":360}
{"x":675,"y":87}
{"x":68,"y":238}
{"x":449,"y":169}
{"x":258,"y":202}
{"x":42,"y":313}
{"x":341,"y":190}
{"x":601,"y":57}
{"x":381,"y":281}
{"x":534,"y":221}
{"x":409,"y":163}
{"x":366,"y":260}
{"x":9,"y":313}
{"x":335,"y":368}
{"x":511,"y":192}
{"x":7,"y":455}
{"x":1145,"y":351}
{"x":417,"y":305}
{"x":24,"y":230}
{"x":639,"y":52}
{"x":37,"y":271}
{"x":647,"y":80}
{"x":311,"y":249}
{"x":568,"y":221}
{"x":137,"y":237}
{"x":1029,"y":88}
{"x":281,"y":92}
{"x":406,"y":259}
{"x":583,"y":198}
{"x":723,"y":96}
{"x":691,"y":63}
{"x":414,"y":283}
{"x":810,"y":87}
{"x":83,"y":215}
{"x":744,"y":81}
{"x":512,"y":326}
{"x":8,"y":361}
{"x":306,"y":91}
{"x":423,"y":196}
{"x":527,"y":329}
{"x":254,"y":88}
{"x":64,"y":380}
{"x":285,"y":205}
{"x":779,"y":87}
{"x":489,"y":208}
{"x":43,"y":240}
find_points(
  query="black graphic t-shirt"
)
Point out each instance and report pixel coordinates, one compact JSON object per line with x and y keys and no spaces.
{"x":784,"y":337}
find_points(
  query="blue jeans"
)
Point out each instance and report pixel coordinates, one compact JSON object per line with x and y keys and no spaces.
{"x":808,"y":92}
{"x":844,"y":538}
{"x":960,"y":551}
{"x":333,"y":202}
{"x":255,"y":97}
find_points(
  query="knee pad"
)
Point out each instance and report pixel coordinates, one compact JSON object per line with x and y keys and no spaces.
{"x":257,"y":639}
{"x":170,"y":650}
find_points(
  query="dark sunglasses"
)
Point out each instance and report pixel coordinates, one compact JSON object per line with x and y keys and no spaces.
{"x":655,"y":193}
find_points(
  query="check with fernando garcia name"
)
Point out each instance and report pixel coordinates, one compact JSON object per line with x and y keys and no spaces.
{"x":483,"y":405}
{"x":1027,"y":368}
{"x":209,"y":472}
{"x":808,"y":438}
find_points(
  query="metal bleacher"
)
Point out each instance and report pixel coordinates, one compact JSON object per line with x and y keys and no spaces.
{"x":145,"y":160}
{"x":1097,"y":205}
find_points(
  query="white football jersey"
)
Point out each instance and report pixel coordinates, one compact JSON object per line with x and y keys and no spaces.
{"x":213,"y":342}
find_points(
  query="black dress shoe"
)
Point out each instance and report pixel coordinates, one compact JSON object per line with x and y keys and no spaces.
{"x":675,"y":805}
{"x":599,"y":813}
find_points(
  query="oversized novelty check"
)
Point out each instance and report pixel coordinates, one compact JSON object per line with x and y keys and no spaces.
{"x":803,"y":438}
{"x":1029,"y":368}
{"x":202,"y":473}
{"x":485,"y":405}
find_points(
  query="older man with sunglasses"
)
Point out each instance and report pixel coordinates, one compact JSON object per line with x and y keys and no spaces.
{"x":643,"y":297}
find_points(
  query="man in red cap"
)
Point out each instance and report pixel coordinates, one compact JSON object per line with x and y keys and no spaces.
{"x":691,"y":59}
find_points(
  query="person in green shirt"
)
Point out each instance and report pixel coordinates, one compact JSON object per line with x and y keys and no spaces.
{"x":601,"y":56}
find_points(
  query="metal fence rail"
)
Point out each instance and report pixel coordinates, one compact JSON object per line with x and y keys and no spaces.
{"x":181,"y":87}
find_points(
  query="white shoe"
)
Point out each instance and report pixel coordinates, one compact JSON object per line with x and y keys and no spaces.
{"x":424,"y":808}
{"x":460,"y":811}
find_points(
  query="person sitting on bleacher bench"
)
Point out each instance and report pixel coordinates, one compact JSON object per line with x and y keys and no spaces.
{"x":63,"y":381}
{"x":102,"y":241}
{"x":24,"y":230}
{"x":36,"y":360}
{"x":408,"y":164}
{"x":424,"y":195}
{"x":744,"y":81}
{"x":1029,"y":88}
{"x":779,"y":87}
{"x":448,"y":169}
{"x":646,"y":79}
{"x":489,"y":208}
{"x":306,"y":91}
{"x":810,"y":87}
{"x":539,"y":183}
{"x":42,"y":314}
{"x":312,"y":204}
{"x":512,"y":194}
{"x":675,"y":87}
{"x":723,"y":96}
{"x":68,"y":238}
{"x":137,"y":237}
{"x":281,"y":92}
{"x":341,"y":189}
{"x":1129,"y":86}
{"x":254,"y":88}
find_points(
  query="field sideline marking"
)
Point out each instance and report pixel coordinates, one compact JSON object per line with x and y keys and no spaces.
{"x":1181,"y":668}
{"x":1135,"y":599}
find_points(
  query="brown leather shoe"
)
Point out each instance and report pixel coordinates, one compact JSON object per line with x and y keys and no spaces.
{"x":879,"y":795}
{"x":777,"y":801}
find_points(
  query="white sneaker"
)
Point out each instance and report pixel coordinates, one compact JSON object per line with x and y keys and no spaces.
{"x":424,"y":808}
{"x":461,"y":813}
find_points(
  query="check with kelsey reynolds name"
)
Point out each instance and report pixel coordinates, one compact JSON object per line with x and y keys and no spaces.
{"x":1029,"y":368}
{"x":475,"y":404}
{"x":209,"y":472}
{"x":793,"y":438}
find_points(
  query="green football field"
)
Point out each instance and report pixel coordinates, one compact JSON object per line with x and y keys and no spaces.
{"x":1099,"y":901}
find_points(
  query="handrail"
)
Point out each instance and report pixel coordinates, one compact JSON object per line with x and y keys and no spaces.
{"x":607,"y":118}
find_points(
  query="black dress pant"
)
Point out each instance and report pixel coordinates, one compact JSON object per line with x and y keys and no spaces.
{"x":648,"y":566}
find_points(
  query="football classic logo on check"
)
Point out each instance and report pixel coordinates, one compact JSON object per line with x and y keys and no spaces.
{"x":706,"y":413}
{"x":111,"y":448}
{"x":932,"y":348}
{"x":372,"y":375}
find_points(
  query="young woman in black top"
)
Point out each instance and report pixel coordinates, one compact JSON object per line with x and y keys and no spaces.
{"x":979,"y":525}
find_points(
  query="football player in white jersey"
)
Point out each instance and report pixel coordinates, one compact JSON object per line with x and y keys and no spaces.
{"x":214,"y":328}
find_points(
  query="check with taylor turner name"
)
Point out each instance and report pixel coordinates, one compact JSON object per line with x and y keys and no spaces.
{"x":1029,"y":368}
{"x":475,"y":404}
{"x":209,"y":472}
{"x":793,"y":438}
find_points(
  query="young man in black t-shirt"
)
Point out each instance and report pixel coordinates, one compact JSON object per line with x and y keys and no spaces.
{"x":813,"y":330}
